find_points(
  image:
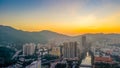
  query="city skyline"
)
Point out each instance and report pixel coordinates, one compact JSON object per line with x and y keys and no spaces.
{"x":63,"y":16}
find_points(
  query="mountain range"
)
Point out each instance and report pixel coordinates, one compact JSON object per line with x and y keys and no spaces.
{"x":9,"y":35}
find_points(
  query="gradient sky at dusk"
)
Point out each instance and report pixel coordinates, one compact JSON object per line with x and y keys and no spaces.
{"x":71,"y":17}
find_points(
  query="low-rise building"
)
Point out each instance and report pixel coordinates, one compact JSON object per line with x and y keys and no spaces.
{"x":35,"y":64}
{"x":55,"y":51}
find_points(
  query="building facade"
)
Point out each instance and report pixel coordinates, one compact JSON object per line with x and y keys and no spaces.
{"x":35,"y":64}
{"x":70,"y":50}
{"x":28,"y":49}
{"x":55,"y":51}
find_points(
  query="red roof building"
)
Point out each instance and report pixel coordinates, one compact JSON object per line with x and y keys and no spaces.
{"x":103,"y":59}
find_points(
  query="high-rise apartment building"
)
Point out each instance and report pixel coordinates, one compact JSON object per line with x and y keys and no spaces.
{"x":85,"y":44}
{"x":83,"y":40}
{"x":28,"y":49}
{"x":70,"y":50}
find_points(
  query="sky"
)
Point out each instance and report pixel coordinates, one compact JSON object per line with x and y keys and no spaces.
{"x":70,"y":17}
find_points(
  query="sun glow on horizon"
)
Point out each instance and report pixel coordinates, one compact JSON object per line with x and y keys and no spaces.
{"x":63,"y":16}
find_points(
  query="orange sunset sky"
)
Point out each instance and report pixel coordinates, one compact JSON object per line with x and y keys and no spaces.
{"x":70,"y":17}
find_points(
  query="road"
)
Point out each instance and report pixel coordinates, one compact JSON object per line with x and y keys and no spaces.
{"x":86,"y":61}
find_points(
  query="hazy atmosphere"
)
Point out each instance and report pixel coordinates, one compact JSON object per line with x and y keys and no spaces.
{"x":59,"y":33}
{"x":71,"y":17}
